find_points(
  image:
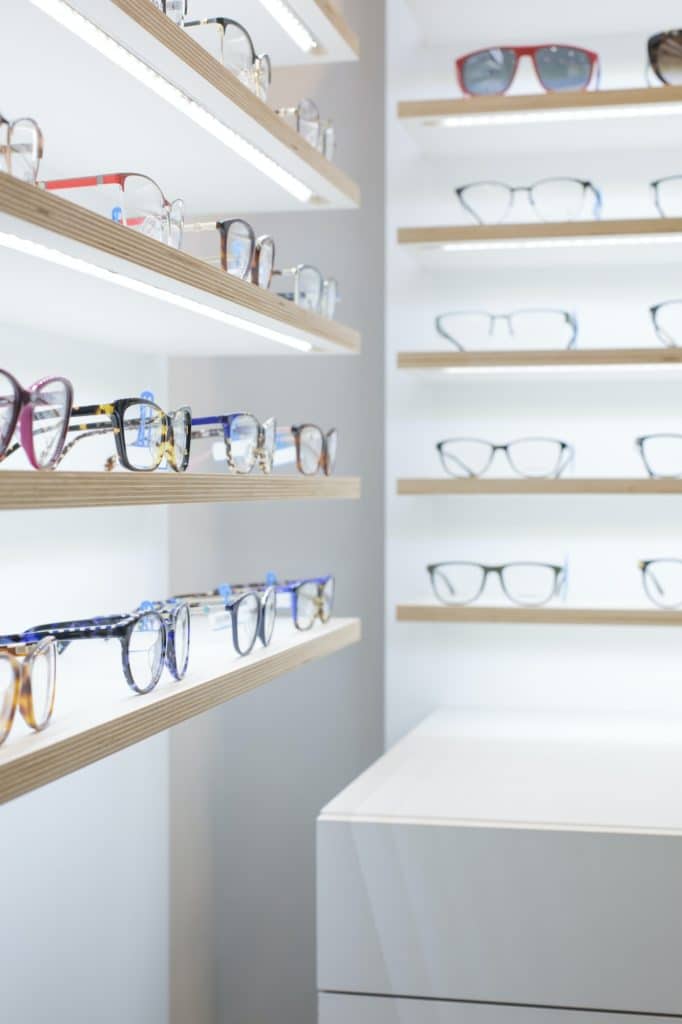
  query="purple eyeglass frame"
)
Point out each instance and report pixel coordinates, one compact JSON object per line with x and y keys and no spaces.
{"x":22,"y":413}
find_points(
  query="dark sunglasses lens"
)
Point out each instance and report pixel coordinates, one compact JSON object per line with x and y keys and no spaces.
{"x":488,"y":72}
{"x":8,"y":402}
{"x":239,"y":249}
{"x":667,"y":58}
{"x":51,"y":409}
{"x":145,"y":652}
{"x":562,"y":68}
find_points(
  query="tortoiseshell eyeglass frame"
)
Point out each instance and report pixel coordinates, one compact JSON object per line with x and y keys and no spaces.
{"x":115,"y":411}
{"x":326,"y":461}
{"x":120,"y":627}
{"x":20,"y":658}
{"x":204,"y":427}
{"x":257,"y":246}
{"x":6,"y":149}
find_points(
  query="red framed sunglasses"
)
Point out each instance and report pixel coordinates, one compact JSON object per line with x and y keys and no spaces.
{"x":559,"y":68}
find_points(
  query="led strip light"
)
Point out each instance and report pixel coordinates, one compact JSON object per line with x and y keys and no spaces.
{"x":90,"y":33}
{"x":292,"y":25}
{"x":62,"y":259}
{"x":543,"y":116}
{"x":559,"y":243}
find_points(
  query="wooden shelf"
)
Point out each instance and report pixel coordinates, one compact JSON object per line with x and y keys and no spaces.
{"x":212,"y":176}
{"x":651,"y":228}
{"x":452,"y":361}
{"x":559,"y":616}
{"x":63,"y":489}
{"x":42,"y":234}
{"x":564,"y":485}
{"x":79,"y":738}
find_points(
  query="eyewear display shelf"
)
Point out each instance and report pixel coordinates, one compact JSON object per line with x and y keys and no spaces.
{"x":551,"y":616}
{"x":492,"y":868}
{"x":451,"y":361}
{"x":63,"y":489}
{"x":175,"y":304}
{"x":576,"y":120}
{"x":330,"y":37}
{"x":100,"y":728}
{"x":586,"y":485}
{"x":236,"y":153}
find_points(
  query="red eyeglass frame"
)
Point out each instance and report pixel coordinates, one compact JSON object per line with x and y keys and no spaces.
{"x":519,"y":52}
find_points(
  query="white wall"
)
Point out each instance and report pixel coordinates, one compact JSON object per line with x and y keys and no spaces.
{"x":604,"y":537}
{"x":84,"y":925}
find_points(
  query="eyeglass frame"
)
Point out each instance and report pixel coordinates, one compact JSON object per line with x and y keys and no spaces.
{"x":325,"y":285}
{"x":569,"y":317}
{"x":257,"y":243}
{"x":528,"y":51}
{"x":587,"y":186}
{"x":324,"y":462}
{"x":22,"y":699}
{"x":39,"y":137}
{"x":654,"y":186}
{"x":658,"y":330}
{"x":256,"y":58}
{"x":644,"y":569}
{"x":107,"y":627}
{"x":293,"y":587}
{"x":325,"y":127}
{"x":23,"y":415}
{"x":261,"y":456}
{"x":565,"y":457}
{"x":654,"y":43}
{"x":560,"y":580}
{"x":230,"y":599}
{"x":640,"y":443}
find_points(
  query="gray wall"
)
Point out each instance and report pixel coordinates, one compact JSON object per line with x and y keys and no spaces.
{"x":248,"y":780}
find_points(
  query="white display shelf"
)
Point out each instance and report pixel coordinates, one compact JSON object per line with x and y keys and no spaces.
{"x":65,"y":489}
{"x":585,"y":361}
{"x":586,"y":121}
{"x":559,"y":615}
{"x":324,"y":20}
{"x":509,"y":858}
{"x":96,"y":714}
{"x":421,"y":486}
{"x":85,"y":115}
{"x":437,"y":27}
{"x":68,"y":269}
{"x":654,"y":240}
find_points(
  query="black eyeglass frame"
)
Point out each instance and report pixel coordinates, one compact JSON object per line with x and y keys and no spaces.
{"x":560,"y":576}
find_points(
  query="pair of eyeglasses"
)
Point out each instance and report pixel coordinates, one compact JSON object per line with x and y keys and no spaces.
{"x":241,"y":254}
{"x":141,"y":204}
{"x":305,"y":117}
{"x":550,"y":199}
{"x":28,"y":673}
{"x":559,"y":68}
{"x":144,"y":434}
{"x":311,"y":290}
{"x":664,"y":51}
{"x":662,"y":580}
{"x":530,"y":457}
{"x":529,"y":584}
{"x":248,"y":442}
{"x":308,"y":599}
{"x":149,"y":638}
{"x":251,"y":614}
{"x":315,"y":450}
{"x":476,"y":329}
{"x":661,"y":455}
{"x":21,"y":148}
{"x":235,"y":51}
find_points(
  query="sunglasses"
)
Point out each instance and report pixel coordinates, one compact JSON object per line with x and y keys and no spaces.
{"x":531,"y":457}
{"x":142,"y":204}
{"x":551,"y":199}
{"x":242,"y":255}
{"x":28,"y":674}
{"x":665,"y":56}
{"x":311,"y":290}
{"x":21,"y":148}
{"x":490,"y":72}
{"x":529,"y":584}
{"x":236,"y":50}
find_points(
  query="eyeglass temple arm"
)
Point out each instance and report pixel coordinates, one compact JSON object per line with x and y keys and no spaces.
{"x":566,"y":458}
{"x":646,"y":568}
{"x":89,"y":182}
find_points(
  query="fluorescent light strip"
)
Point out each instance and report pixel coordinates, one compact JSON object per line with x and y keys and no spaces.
{"x":90,"y":33}
{"x":559,"y":243}
{"x":62,"y":259}
{"x":559,"y":116}
{"x":292,"y":25}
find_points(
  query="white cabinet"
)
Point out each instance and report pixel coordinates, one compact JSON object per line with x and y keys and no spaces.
{"x":509,"y":860}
